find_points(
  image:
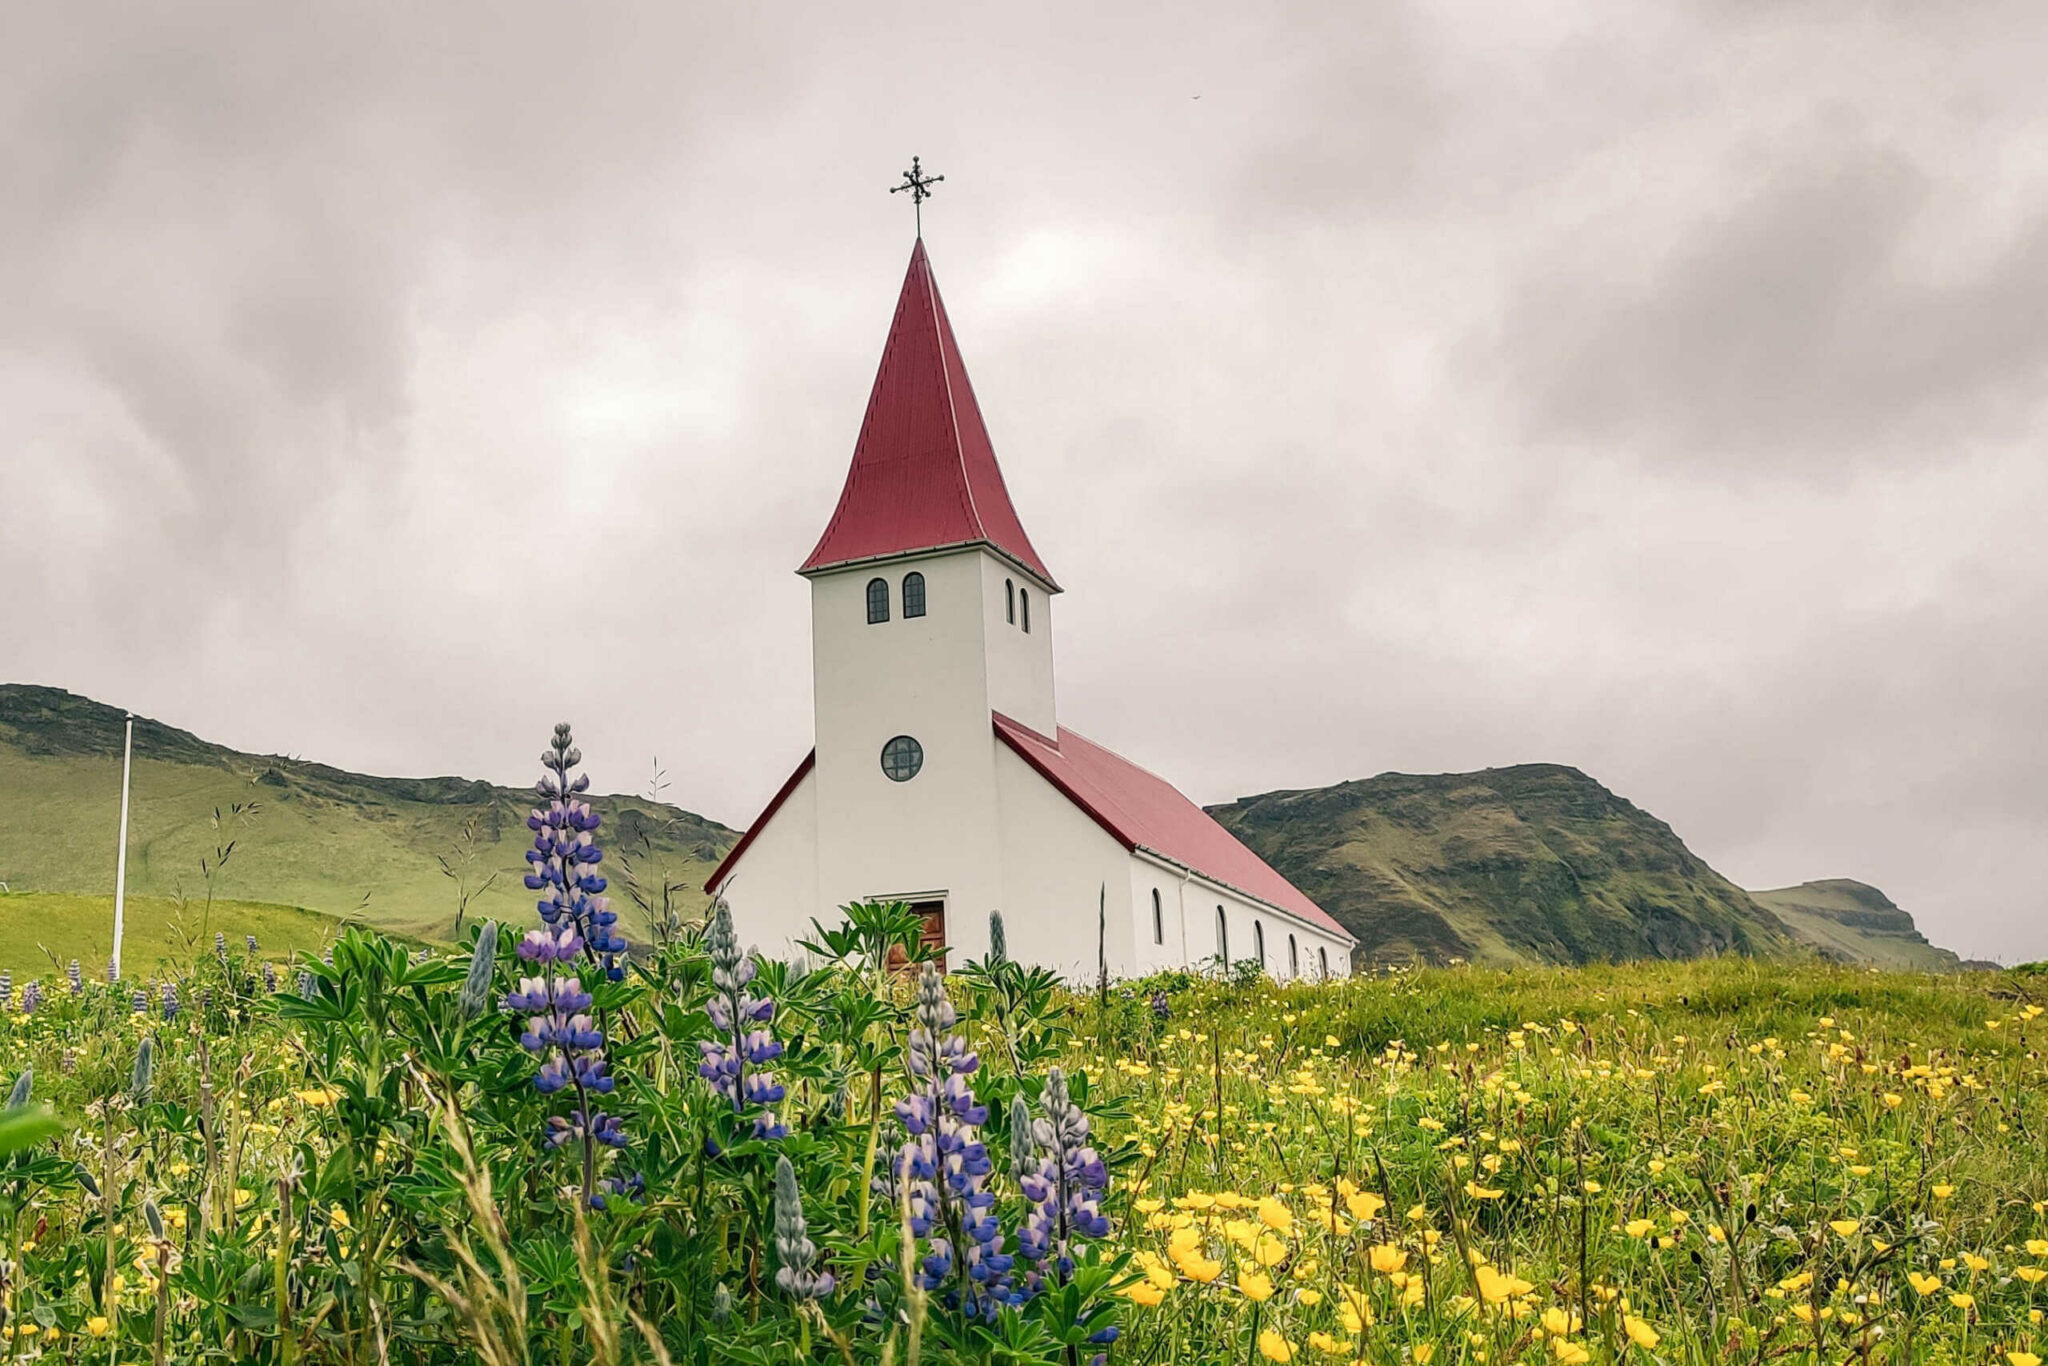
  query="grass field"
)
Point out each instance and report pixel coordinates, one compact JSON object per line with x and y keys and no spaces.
{"x":157,"y":931}
{"x":1706,"y":1163}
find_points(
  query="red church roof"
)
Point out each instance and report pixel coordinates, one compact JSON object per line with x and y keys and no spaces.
{"x":924,"y":473}
{"x":1144,"y":811}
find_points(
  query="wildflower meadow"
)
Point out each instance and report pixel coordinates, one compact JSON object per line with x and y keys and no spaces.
{"x":557,"y":1143}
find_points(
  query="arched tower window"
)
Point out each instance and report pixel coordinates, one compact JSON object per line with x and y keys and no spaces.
{"x":878,"y":601}
{"x":913,"y":594}
{"x":1323,"y":962}
{"x":1158,"y":919}
{"x":1024,"y":608}
{"x":1010,"y":600}
{"x":1222,"y":937}
{"x":1293,"y":958}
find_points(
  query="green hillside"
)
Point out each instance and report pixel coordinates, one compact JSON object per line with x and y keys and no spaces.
{"x":1853,"y":922}
{"x":1537,"y":863}
{"x":305,"y":835}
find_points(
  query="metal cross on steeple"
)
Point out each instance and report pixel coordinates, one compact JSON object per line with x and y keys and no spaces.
{"x":920,"y":186}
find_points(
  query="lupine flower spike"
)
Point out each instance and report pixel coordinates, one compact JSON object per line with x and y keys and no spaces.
{"x":736,"y":1062}
{"x":793,"y":1246}
{"x":576,"y":927}
{"x":947,"y":1165}
{"x":563,"y":861}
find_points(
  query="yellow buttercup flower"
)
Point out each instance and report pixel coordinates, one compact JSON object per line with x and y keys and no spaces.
{"x":1963,"y":1300}
{"x":1274,"y":1347}
{"x":1255,"y":1286}
{"x":1387,"y":1259}
{"x":1639,"y":1332}
{"x":97,"y":1325}
{"x":1845,"y":1227}
{"x":1496,"y":1286}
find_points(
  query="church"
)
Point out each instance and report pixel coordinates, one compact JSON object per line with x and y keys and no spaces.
{"x":941,"y":776}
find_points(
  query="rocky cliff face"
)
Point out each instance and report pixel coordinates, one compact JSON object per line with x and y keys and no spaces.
{"x":1537,"y":863}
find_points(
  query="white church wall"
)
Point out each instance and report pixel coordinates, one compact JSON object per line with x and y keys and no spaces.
{"x":1189,"y":904}
{"x":773,"y":889}
{"x":1019,"y":667}
{"x":1059,"y":868}
{"x":936,"y":834}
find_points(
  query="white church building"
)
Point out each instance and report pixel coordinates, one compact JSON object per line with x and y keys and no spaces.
{"x":940,"y":775}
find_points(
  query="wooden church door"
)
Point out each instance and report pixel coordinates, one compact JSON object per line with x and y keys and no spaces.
{"x":933,"y":937}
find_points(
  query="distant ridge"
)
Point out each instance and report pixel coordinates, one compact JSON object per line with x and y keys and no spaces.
{"x":1536,"y":863}
{"x":320,"y":837}
{"x":1853,"y":922}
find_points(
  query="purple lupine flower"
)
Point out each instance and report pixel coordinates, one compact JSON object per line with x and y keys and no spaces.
{"x":31,"y":997}
{"x":169,"y":997}
{"x":269,"y":976}
{"x":6,"y":988}
{"x":946,"y":1164}
{"x":249,"y":941}
{"x":113,"y":973}
{"x":562,"y":864}
{"x":736,"y":1062}
{"x":220,"y":945}
{"x":77,"y":978}
{"x":140,"y":1001}
{"x":577,"y":927}
{"x":1066,"y":1185}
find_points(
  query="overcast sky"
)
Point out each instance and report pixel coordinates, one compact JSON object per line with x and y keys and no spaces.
{"x":1647,"y":387}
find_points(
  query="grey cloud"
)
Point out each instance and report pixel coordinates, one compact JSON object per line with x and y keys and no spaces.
{"x":1808,"y":323}
{"x":1443,"y":388}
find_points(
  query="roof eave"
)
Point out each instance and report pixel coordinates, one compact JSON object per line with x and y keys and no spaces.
{"x":1044,"y":582}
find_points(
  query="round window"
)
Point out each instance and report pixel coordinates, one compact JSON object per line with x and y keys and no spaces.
{"x":902,"y":757}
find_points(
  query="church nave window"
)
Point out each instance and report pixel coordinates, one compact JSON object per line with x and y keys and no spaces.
{"x":878,"y":601}
{"x":1158,"y":919}
{"x":1223,"y":938}
{"x":902,"y":757}
{"x":1259,"y":942}
{"x":1024,"y":608}
{"x":913,"y":594}
{"x":1323,"y":963}
{"x":1010,"y":600}
{"x":1293,"y":958}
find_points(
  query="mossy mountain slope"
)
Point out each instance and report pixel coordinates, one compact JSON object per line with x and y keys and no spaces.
{"x":1536,"y":863}
{"x":1853,"y":922}
{"x":310,"y":835}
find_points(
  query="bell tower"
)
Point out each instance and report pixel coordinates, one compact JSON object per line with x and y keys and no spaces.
{"x":930,"y":610}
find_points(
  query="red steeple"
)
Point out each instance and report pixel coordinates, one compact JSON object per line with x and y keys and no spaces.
{"x":924,"y":474}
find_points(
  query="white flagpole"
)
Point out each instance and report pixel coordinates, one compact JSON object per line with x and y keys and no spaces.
{"x":121,"y":858}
